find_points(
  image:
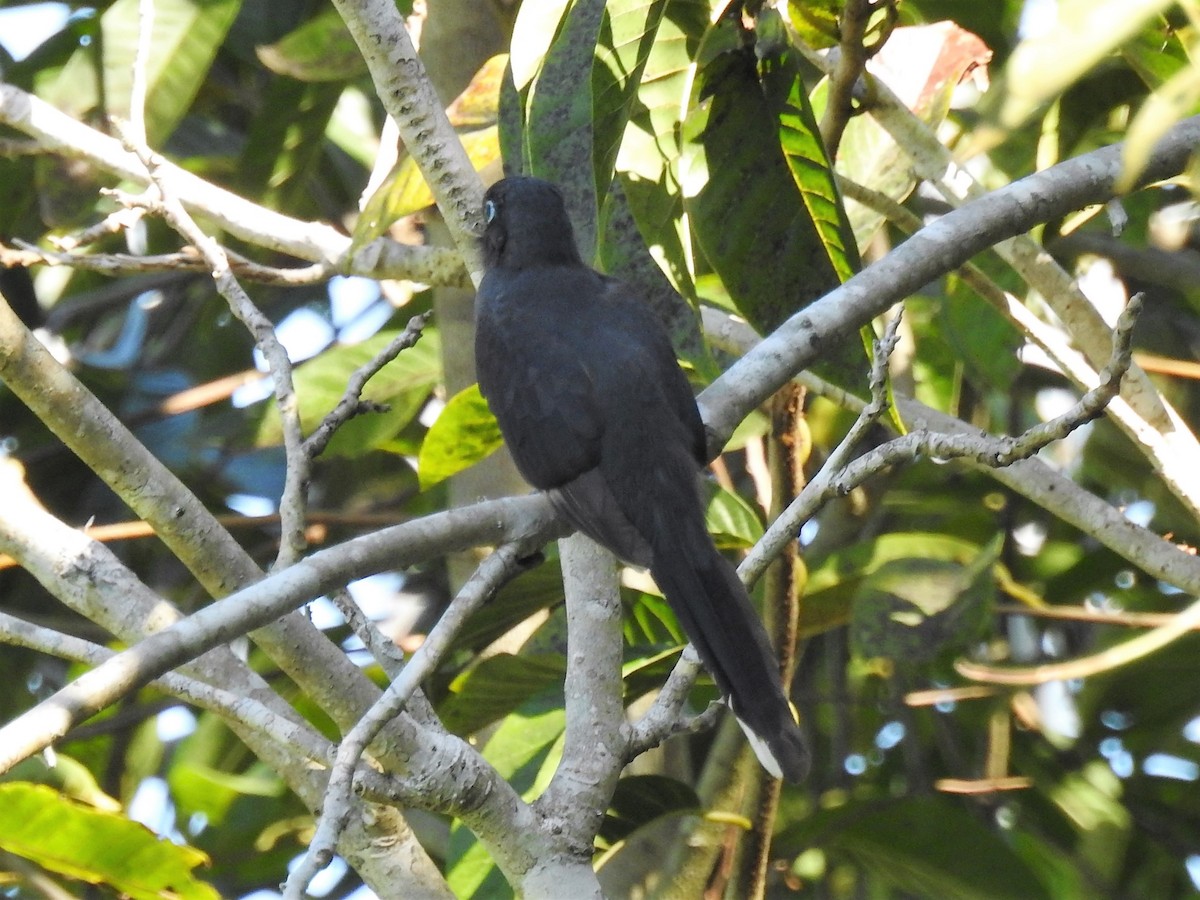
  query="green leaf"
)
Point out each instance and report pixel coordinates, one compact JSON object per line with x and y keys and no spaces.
{"x":642,"y":800}
{"x":624,"y":45}
{"x":321,"y":49}
{"x":834,"y":582}
{"x":623,"y":251}
{"x":1156,"y":55}
{"x":1174,"y":100}
{"x":97,"y":847}
{"x":646,"y":673}
{"x":913,"y":609}
{"x":404,"y":191}
{"x":496,"y":686}
{"x":204,"y":789}
{"x":983,"y":340}
{"x":558,"y":143}
{"x":743,"y":196}
{"x":464,"y":433}
{"x":1042,"y":67}
{"x":816,"y":21}
{"x":1092,"y":799}
{"x":812,"y":172}
{"x":67,"y":776}
{"x":404,"y":384}
{"x":731,"y":520}
{"x":933,"y":847}
{"x":470,"y":872}
{"x":650,"y":621}
{"x":281,"y":151}
{"x":648,"y":159}
{"x":185,"y":38}
{"x":517,"y":749}
{"x":517,"y":601}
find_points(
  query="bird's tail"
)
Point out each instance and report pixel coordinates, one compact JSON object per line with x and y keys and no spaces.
{"x":716,"y":614}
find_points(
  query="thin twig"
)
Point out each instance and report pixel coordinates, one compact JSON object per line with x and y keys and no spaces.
{"x":1124,"y":618}
{"x":141,"y":60}
{"x":784,"y":529}
{"x":665,"y":716}
{"x":849,"y":65}
{"x":1113,"y":657}
{"x":385,"y":652}
{"x":996,"y":451}
{"x":351,"y":403}
{"x":122,"y":264}
{"x":298,"y":468}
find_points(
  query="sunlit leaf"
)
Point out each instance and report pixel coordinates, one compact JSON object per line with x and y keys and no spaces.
{"x":1043,"y":66}
{"x":97,"y":847}
{"x":404,"y":191}
{"x":184,"y":41}
{"x":517,"y":749}
{"x":732,"y":521}
{"x":404,"y":384}
{"x":816,"y":21}
{"x":1176,"y":99}
{"x":922,"y":65}
{"x":464,"y":433}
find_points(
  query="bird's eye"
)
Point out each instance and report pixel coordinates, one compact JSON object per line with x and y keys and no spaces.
{"x":489,"y":211}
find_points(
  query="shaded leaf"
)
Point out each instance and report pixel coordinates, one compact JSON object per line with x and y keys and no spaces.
{"x":535,"y":590}
{"x":495,"y":687}
{"x":641,"y":800}
{"x":319,"y":50}
{"x":933,"y":847}
{"x":834,"y":582}
{"x":914,"y":609}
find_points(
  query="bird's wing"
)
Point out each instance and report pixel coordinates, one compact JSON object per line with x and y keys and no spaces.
{"x":537,"y":384}
{"x":649,"y":360}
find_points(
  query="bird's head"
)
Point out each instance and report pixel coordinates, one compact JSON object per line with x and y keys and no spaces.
{"x":526,"y":224}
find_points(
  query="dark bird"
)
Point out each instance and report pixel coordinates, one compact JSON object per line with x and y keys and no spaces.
{"x":597,"y":412}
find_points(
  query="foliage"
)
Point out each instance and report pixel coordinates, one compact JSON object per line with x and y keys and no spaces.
{"x":686,"y":135}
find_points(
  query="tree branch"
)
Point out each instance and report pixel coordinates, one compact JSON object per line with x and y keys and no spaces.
{"x":940,"y":247}
{"x":492,"y":573}
{"x":408,"y":96}
{"x":383,"y":258}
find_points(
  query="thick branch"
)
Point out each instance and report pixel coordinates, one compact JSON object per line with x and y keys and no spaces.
{"x":525,"y":519}
{"x":409,"y":98}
